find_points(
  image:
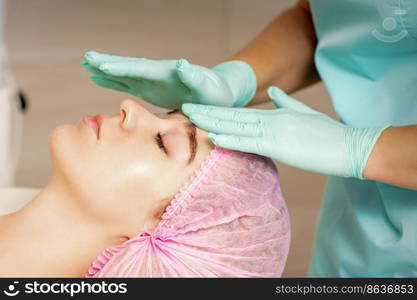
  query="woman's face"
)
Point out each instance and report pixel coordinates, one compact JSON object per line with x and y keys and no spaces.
{"x":127,"y":173}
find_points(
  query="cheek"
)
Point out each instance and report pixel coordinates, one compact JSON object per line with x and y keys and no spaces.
{"x":118,"y":181}
{"x":109,"y":179}
{"x":125,"y":180}
{"x":170,"y":180}
{"x":135,"y":172}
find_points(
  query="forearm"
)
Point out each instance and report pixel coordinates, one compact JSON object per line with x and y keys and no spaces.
{"x":394,"y":158}
{"x":282,"y":54}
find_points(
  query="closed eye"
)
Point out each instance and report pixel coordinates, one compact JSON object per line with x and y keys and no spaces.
{"x":159,"y":141}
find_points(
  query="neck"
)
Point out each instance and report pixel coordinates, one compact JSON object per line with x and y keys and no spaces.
{"x":51,"y":236}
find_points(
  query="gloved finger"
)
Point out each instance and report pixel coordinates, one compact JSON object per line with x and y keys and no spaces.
{"x":226,"y":127}
{"x":224,"y":113}
{"x":96,"y":59}
{"x":91,"y":69}
{"x":281,"y":99}
{"x":191,"y":76}
{"x":199,"y":80}
{"x":140,"y":68}
{"x":237,"y":143}
{"x":107,"y":83}
{"x":95,"y":71}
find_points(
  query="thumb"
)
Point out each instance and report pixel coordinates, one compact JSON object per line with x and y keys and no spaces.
{"x":191,"y":75}
{"x":281,"y":99}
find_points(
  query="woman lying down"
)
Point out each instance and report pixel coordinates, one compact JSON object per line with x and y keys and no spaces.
{"x":144,"y":195}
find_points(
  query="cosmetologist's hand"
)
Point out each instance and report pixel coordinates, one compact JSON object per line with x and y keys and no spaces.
{"x":294,"y":134}
{"x":170,"y":83}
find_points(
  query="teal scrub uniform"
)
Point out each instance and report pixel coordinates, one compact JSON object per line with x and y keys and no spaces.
{"x":367,"y":58}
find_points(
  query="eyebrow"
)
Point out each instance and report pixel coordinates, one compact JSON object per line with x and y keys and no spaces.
{"x":191,"y":132}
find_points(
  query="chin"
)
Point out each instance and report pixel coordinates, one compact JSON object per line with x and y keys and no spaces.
{"x":65,"y":146}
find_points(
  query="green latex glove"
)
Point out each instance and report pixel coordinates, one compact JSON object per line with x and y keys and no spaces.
{"x":294,"y":134}
{"x":170,"y":83}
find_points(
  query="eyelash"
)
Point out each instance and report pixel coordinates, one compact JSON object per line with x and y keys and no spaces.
{"x":160,"y":142}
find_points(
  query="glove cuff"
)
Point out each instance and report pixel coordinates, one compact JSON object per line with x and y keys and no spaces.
{"x":241,"y":79}
{"x":360,"y":142}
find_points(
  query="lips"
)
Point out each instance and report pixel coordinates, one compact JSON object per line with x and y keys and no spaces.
{"x":94,"y":122}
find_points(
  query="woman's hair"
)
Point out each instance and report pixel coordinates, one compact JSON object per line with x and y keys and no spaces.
{"x":228,"y":220}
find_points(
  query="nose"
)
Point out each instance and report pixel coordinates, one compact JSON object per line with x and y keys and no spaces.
{"x":133,"y":115}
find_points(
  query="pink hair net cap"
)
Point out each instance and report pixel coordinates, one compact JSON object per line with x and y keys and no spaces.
{"x":228,"y":220}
